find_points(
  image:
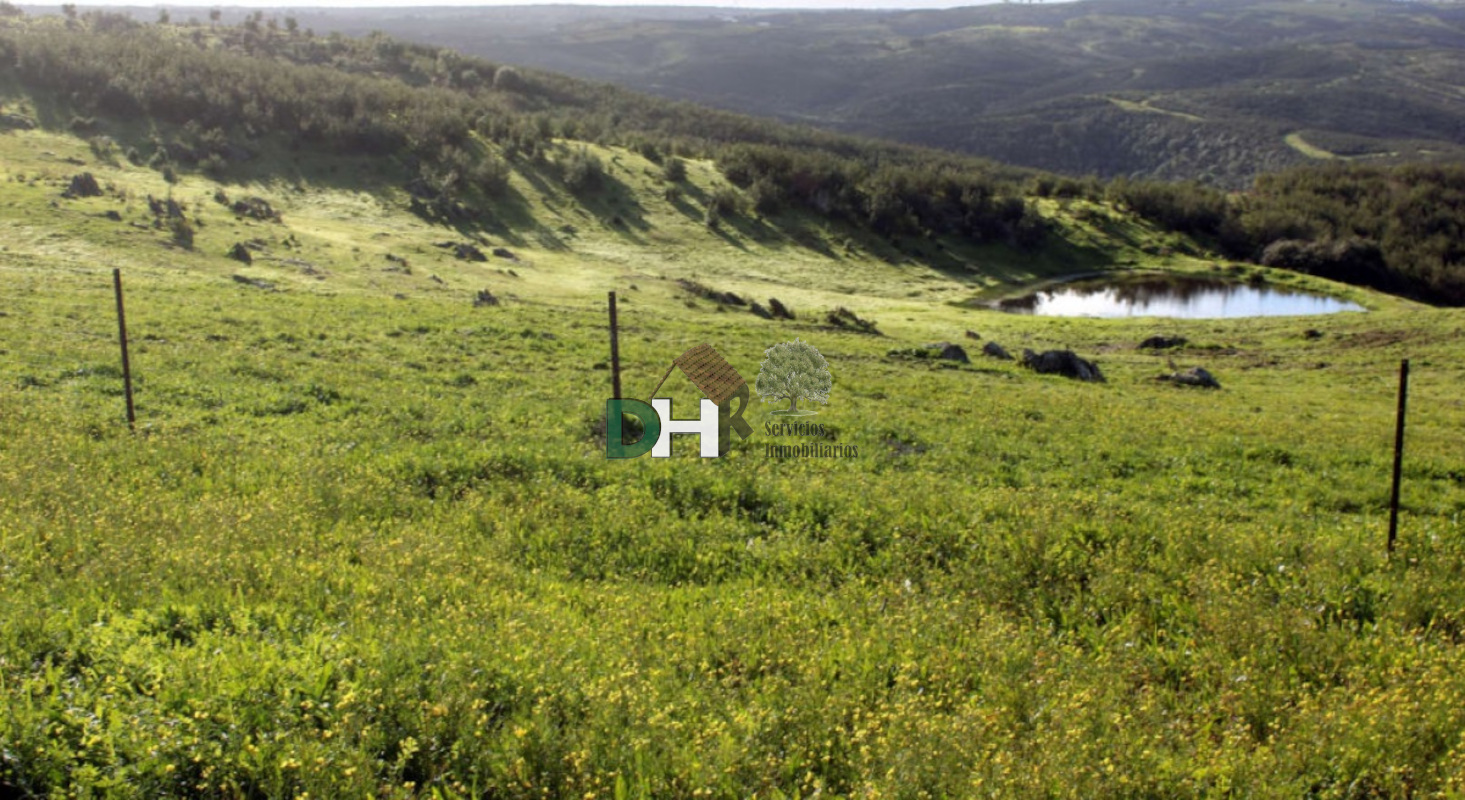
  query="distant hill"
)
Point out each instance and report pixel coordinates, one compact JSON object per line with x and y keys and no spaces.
{"x":467,"y":143}
{"x":1212,"y":90}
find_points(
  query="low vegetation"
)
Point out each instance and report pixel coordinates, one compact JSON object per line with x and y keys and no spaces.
{"x":453,"y":137}
{"x":365,"y":542}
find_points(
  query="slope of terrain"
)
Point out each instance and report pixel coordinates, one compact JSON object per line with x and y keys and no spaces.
{"x":450,"y":130}
{"x":1215,"y":90}
{"x":365,"y":541}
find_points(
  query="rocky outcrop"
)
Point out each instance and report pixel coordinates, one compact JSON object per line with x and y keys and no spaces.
{"x":1195,"y":376}
{"x":1062,"y":362}
{"x":997,"y":351}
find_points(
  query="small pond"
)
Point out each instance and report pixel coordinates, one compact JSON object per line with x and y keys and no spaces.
{"x":1186,"y":297}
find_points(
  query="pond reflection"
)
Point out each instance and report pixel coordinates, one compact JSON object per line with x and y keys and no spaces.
{"x":1171,"y":296}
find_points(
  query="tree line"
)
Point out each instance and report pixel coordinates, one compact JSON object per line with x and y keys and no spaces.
{"x":435,"y":111}
{"x":1398,"y":228}
{"x":375,"y":96}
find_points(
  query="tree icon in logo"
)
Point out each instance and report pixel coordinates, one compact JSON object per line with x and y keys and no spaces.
{"x":793,"y":371}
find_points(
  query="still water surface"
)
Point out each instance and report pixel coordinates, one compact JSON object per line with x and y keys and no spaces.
{"x":1171,"y":296}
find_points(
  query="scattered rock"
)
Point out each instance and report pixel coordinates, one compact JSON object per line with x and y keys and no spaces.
{"x":113,"y":215}
{"x":502,"y":252}
{"x":255,"y":208}
{"x":467,"y":252}
{"x":939,"y":351}
{"x":779,"y":310}
{"x":953,"y":352}
{"x":300,"y":264}
{"x":1162,"y":342}
{"x":240,"y":253}
{"x":435,"y":279}
{"x":1062,"y":362}
{"x":255,"y":282}
{"x":996,"y":351}
{"x":758,"y":310}
{"x":82,"y":185}
{"x":17,"y":122}
{"x":844,"y":318}
{"x":1195,"y":376}
{"x":1312,"y":333}
{"x":708,"y":293}
{"x":973,"y":335}
{"x":395,"y":259}
{"x":484,"y":298}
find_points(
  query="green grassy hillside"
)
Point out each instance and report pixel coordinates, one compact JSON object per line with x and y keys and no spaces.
{"x":365,"y":540}
{"x":453,"y":133}
{"x":1218,"y":91}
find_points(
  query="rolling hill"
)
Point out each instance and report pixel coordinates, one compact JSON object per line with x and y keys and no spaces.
{"x":1213,"y":90}
{"x":364,"y":540}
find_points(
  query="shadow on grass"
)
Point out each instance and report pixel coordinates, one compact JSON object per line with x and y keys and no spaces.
{"x":276,"y":159}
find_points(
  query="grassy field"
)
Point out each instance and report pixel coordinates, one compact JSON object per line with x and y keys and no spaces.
{"x":365,"y":542}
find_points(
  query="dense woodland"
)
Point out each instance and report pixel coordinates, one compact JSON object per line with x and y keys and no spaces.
{"x":1393,"y":228}
{"x":455,"y":123}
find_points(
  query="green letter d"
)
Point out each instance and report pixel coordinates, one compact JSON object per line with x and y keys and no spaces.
{"x":615,"y":428}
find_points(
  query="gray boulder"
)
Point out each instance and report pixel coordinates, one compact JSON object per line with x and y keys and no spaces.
{"x":1062,"y":362}
{"x":996,"y":351}
{"x":1195,"y":376}
{"x":951,"y":352}
{"x":467,"y":252}
{"x":779,"y":310}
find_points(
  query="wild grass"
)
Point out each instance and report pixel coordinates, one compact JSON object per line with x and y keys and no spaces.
{"x":370,"y":546}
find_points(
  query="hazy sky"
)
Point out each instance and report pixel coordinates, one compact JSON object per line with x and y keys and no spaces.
{"x":814,"y":4}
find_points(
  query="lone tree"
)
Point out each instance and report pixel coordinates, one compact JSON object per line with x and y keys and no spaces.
{"x":794,"y":370}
